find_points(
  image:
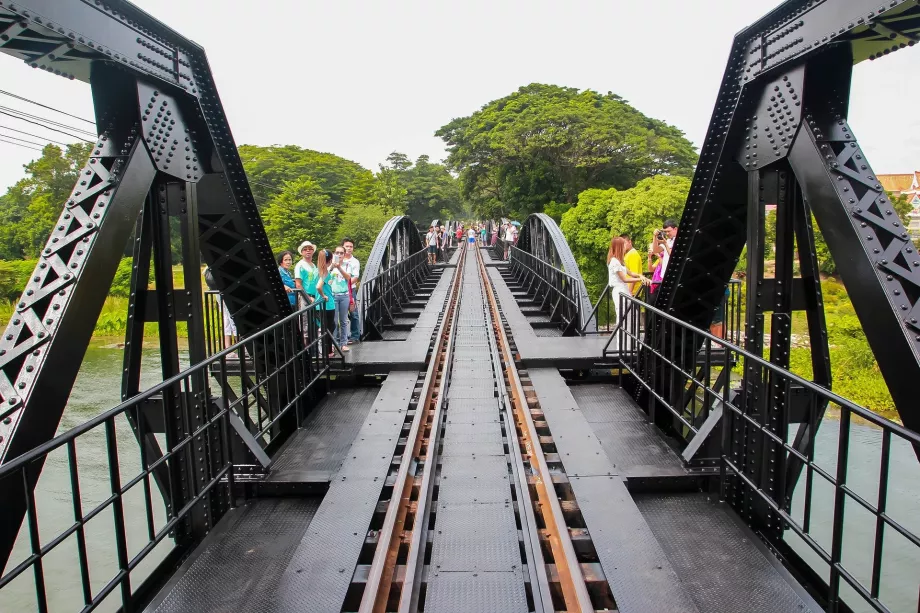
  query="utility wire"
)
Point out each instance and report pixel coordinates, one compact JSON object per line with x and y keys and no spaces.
{"x":22,"y":139}
{"x":277,"y":189}
{"x":41,"y":125}
{"x":7,"y":142}
{"x":45,"y":120}
{"x":56,"y":142}
{"x":45,"y":106}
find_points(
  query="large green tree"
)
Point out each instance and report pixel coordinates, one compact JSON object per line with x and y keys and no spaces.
{"x":268,"y":168}
{"x":547,"y":143}
{"x":302,"y":211}
{"x":30,"y":208}
{"x":601,"y":214}
{"x":431,"y":192}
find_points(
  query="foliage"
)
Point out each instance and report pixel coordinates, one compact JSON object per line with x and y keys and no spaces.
{"x":302,"y":211}
{"x":14,"y":275}
{"x":431,"y":192}
{"x":121,"y":284}
{"x":362,"y":224}
{"x":602,"y":214}
{"x":269,"y":168}
{"x":30,"y":208}
{"x":547,"y":143}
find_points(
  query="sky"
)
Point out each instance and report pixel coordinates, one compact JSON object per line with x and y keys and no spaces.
{"x":362,"y":79}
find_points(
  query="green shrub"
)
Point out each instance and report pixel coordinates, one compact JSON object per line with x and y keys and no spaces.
{"x":121,"y":284}
{"x":14,"y":275}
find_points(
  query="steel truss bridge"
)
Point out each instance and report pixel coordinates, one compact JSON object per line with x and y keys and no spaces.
{"x":496,"y":443}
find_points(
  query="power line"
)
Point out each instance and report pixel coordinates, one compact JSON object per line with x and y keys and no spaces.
{"x":56,"y":142}
{"x":41,"y":125}
{"x":44,"y":106}
{"x":19,"y":145}
{"x":277,"y":189}
{"x":46,"y":120}
{"x":22,"y":139}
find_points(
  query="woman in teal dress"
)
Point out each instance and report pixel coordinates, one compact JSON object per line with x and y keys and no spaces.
{"x":285,"y":263}
{"x":324,"y":295}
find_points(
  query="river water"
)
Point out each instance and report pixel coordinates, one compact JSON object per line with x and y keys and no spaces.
{"x":97,"y":389}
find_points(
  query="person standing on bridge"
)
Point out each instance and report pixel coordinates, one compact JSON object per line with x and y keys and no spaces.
{"x":327,"y":300}
{"x":305,"y":275}
{"x":619,"y":276}
{"x":633,"y":262}
{"x":353,"y":266}
{"x":662,"y":245}
{"x":339,"y":282}
{"x":431,"y":240}
{"x":285,"y":263}
{"x":470,"y":238}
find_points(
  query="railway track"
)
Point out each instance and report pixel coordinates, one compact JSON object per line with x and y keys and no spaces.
{"x":476,"y":514}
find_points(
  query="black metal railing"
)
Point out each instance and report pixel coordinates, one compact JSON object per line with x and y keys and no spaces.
{"x":726,"y":321}
{"x":120,"y":517}
{"x":383,"y":296}
{"x":822,"y":518}
{"x":551,"y":289}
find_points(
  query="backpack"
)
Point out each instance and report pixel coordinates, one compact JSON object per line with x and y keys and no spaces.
{"x":209,"y":279}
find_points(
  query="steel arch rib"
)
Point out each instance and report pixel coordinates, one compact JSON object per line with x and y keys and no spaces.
{"x":397,"y":227}
{"x":539,"y":226}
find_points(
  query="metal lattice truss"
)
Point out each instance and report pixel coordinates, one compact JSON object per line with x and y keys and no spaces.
{"x":783,"y":100}
{"x":541,"y":237}
{"x":159,"y":115}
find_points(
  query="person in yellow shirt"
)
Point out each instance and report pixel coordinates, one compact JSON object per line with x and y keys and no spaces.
{"x":633,"y":262}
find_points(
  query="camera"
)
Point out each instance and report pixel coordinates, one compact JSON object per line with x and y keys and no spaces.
{"x":661,"y":235}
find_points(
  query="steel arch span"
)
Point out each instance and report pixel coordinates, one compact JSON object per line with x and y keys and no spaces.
{"x":390,"y":274}
{"x":542,"y":238}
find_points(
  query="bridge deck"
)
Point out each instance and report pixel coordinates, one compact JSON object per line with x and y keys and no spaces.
{"x":658,"y":550}
{"x":405,"y":349}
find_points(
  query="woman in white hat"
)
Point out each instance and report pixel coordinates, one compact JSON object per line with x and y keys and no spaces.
{"x":305,"y":273}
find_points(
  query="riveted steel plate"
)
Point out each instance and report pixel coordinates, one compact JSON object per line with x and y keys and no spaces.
{"x":472,"y":448}
{"x":462,"y":592}
{"x":717,"y":561}
{"x":638,"y":450}
{"x":603,"y":402}
{"x":484,"y":467}
{"x":238,"y":568}
{"x":321,"y":445}
{"x":637,"y":569}
{"x":475,"y":537}
{"x":471,"y":391}
{"x":473,"y":431}
{"x":467,"y":490}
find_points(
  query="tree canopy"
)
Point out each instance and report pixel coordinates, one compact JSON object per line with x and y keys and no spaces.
{"x":30,"y":208}
{"x":601,"y":214}
{"x":546,"y":143}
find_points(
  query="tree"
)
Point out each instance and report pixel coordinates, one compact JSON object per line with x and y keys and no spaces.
{"x":268,"y":168}
{"x":431,"y":192}
{"x":30,"y":208}
{"x":300,"y":212}
{"x":547,"y":143}
{"x":601,"y":214}
{"x":362,"y":223}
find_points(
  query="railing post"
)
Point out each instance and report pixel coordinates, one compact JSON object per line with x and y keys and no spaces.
{"x":843,"y":447}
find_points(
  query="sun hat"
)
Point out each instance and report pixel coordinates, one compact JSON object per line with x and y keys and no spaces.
{"x":304,"y":245}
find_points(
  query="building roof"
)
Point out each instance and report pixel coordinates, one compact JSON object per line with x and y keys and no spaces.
{"x":897,"y":183}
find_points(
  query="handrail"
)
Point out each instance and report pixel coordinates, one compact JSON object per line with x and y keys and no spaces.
{"x":382,"y":294}
{"x":204,"y":418}
{"x":559,"y":289}
{"x":681,"y":368}
{"x":61,"y":439}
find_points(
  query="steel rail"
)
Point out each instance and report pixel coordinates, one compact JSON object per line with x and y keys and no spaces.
{"x":408,"y":598}
{"x":571,"y":579}
{"x":383,"y":567}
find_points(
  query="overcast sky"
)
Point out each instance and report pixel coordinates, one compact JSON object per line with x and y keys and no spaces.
{"x":361,"y":79}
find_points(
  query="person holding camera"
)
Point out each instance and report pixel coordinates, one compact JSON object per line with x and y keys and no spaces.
{"x":337,"y":282}
{"x":619,"y":276}
{"x":662,"y":245}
